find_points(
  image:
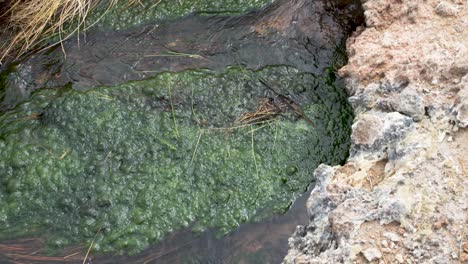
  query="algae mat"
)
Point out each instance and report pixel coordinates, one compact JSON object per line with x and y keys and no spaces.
{"x":195,"y":149}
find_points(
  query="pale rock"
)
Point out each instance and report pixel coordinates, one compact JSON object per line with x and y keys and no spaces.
{"x":461,"y":107}
{"x":392,"y":236}
{"x":409,"y":103}
{"x":384,"y":243}
{"x":445,"y":8}
{"x":372,"y":254}
{"x":367,"y":130}
{"x":409,"y":61}
{"x":399,"y":258}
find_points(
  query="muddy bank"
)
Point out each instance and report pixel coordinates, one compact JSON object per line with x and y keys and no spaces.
{"x":402,"y":196}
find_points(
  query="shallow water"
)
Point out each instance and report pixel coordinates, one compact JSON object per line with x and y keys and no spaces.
{"x":305,"y":34}
{"x":264,"y":242}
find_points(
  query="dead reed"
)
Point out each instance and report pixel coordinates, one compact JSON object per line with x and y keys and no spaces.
{"x":30,"y":23}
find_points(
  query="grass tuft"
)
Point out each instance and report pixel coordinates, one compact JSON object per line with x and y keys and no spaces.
{"x":29,"y":23}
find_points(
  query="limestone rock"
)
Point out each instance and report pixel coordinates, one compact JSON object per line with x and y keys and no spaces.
{"x":461,"y":107}
{"x":406,"y":178}
{"x":375,"y":132}
{"x":366,"y":130}
{"x":410,"y":103}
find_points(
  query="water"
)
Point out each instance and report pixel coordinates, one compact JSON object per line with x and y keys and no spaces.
{"x":264,"y":242}
{"x":305,"y":34}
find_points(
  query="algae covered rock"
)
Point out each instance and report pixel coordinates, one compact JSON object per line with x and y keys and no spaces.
{"x":192,"y":149}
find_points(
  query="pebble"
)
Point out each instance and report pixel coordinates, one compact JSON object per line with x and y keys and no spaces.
{"x":384,"y":243}
{"x":399,"y":258}
{"x":372,"y":254}
{"x":392,"y":236}
{"x":417,"y":253}
{"x":446,"y":9}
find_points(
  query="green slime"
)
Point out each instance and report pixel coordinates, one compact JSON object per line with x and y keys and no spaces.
{"x":136,"y":161}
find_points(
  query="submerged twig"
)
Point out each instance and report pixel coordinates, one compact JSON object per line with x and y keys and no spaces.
{"x":176,"y":54}
{"x":253,"y":149}
{"x":91,"y":246}
{"x":290,"y":103}
{"x":173,"y":114}
{"x":196,"y":147}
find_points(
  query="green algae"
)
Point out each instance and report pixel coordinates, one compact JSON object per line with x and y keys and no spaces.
{"x":136,"y":161}
{"x":122,"y":16}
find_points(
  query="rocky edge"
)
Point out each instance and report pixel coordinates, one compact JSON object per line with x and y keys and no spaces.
{"x":402,"y":196}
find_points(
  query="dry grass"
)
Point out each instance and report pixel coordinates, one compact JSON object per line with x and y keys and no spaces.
{"x":31,"y":22}
{"x":24,"y":251}
{"x":266,"y":111}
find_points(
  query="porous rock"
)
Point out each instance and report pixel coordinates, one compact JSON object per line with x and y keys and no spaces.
{"x":405,"y":180}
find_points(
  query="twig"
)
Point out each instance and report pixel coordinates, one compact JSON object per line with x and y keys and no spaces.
{"x":253,"y":149}
{"x":236,"y":127}
{"x":196,"y":147}
{"x":176,"y":54}
{"x":71,"y":255}
{"x":91,"y":246}
{"x":65,"y":153}
{"x":256,"y":129}
{"x":173,"y":114}
{"x":288,"y":102}
{"x":157,"y":3}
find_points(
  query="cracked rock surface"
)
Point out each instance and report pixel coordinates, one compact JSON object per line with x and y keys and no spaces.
{"x":402,"y":196}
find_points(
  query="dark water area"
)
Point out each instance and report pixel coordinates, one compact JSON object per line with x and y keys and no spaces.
{"x":308,"y":35}
{"x":264,"y":242}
